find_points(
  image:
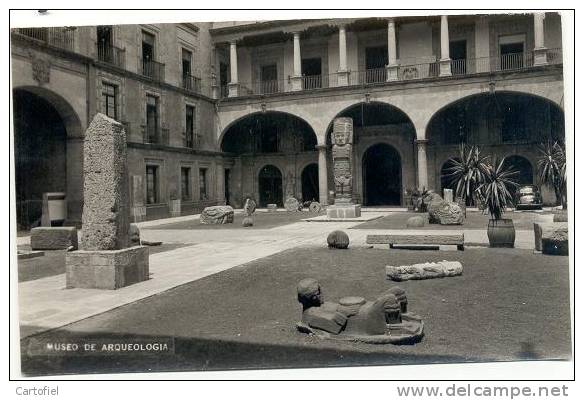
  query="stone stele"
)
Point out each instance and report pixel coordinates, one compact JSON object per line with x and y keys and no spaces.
{"x":105,"y":188}
{"x":431,"y":270}
{"x":105,"y":261}
{"x":217,"y":215}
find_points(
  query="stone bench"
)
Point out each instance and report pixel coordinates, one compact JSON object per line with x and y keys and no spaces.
{"x":431,"y":239}
{"x":53,"y":238}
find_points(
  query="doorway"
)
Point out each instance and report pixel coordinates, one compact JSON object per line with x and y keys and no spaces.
{"x":310,"y":183}
{"x":270,"y":186}
{"x":382,"y":184}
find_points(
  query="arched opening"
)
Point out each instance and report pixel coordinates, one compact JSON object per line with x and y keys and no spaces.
{"x":310,"y":183}
{"x":374,"y":122}
{"x":270,"y":186}
{"x":40,"y":145}
{"x":382,"y":175}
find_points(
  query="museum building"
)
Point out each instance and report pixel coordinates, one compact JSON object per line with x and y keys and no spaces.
{"x":218,"y":112}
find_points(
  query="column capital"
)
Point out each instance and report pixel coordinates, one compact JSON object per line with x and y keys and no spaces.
{"x":233,"y":42}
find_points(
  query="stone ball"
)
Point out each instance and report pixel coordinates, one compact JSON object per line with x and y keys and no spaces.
{"x":416,"y":221}
{"x":338,"y":240}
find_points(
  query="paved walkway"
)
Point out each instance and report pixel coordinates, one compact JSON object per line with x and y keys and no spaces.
{"x":46,"y":304}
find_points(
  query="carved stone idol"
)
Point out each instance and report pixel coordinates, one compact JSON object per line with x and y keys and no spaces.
{"x":342,"y":159}
{"x":384,"y":320}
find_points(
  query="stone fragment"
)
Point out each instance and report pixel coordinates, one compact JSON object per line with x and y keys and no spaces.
{"x":249,"y":207}
{"x":315,"y":207}
{"x":416,"y":221}
{"x":540,"y":227}
{"x":291,"y":204}
{"x":105,"y":189}
{"x":53,"y":238}
{"x":338,"y":240}
{"x":423,"y":271}
{"x":555,"y":241}
{"x":217,"y":215}
{"x":445,"y":213}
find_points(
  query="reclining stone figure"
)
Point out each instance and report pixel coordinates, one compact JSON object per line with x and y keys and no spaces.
{"x":383,"y":320}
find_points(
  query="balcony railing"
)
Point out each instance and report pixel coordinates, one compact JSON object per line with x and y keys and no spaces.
{"x":62,"y":37}
{"x":462,"y":67}
{"x":191,"y":83}
{"x":152,"y":69}
{"x":155,"y":135}
{"x":111,"y":54}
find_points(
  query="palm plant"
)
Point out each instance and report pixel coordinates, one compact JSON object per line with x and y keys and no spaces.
{"x":466,"y":172}
{"x":551,"y":169}
{"x":494,"y":191}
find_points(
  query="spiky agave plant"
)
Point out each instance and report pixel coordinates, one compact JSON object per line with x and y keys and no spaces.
{"x":494,"y":190}
{"x":466,"y":172}
{"x":551,"y":169}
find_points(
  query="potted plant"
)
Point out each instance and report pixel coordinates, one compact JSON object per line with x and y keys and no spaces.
{"x":495,"y":193}
{"x":174,"y":205}
{"x":466,"y":173}
{"x":551,"y":169}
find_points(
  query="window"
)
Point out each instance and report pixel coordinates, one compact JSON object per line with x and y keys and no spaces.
{"x":152,"y":184}
{"x":148,"y":67}
{"x":104,"y":43}
{"x":269,"y":78}
{"x":457,"y":51}
{"x":376,"y":58}
{"x":312,"y":70}
{"x":203,"y":195}
{"x":187,"y":57}
{"x":190,"y":127}
{"x":109,"y":97}
{"x":151,"y":119}
{"x":185,"y":183}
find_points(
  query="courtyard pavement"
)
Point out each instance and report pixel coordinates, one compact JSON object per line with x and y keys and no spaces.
{"x":46,"y":304}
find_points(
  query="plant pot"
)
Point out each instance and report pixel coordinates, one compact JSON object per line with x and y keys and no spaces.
{"x":501,"y":233}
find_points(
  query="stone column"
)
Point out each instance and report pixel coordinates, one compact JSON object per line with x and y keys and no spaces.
{"x":482,"y":50}
{"x":392,"y":67}
{"x":539,"y":51}
{"x":444,"y":47}
{"x":343,"y":74}
{"x":322,"y":175}
{"x":215,"y":90}
{"x":422,"y":163}
{"x":297,"y":78}
{"x":233,"y":85}
{"x":220,"y":181}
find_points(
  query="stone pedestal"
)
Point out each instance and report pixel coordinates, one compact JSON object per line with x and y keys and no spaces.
{"x":540,"y":56}
{"x":392,"y":73}
{"x":107,"y":269}
{"x":296,"y":83}
{"x":233,"y":89}
{"x":445,"y":69}
{"x":343,"y":78}
{"x":343,"y":211}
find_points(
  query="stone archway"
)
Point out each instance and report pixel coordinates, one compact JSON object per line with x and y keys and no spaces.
{"x":310,"y":183}
{"x":522,"y":165}
{"x":43,"y":125}
{"x":382,"y":171}
{"x":270,"y":186}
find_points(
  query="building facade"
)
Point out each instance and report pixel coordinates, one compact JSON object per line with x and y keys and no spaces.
{"x":217,"y":112}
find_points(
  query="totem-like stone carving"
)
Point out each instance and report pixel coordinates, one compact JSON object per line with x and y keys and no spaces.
{"x":430,"y":270}
{"x":342,"y":139}
{"x":249,"y":207}
{"x":381,"y":321}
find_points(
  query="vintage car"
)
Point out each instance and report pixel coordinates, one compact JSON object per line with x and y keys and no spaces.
{"x":528,"y":196}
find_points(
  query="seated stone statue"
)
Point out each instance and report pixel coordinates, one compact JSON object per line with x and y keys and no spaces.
{"x":378,"y":321}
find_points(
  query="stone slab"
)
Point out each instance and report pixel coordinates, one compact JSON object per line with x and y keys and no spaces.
{"x":419,"y":239}
{"x":53,"y":238}
{"x":539,"y":228}
{"x":343,"y":211}
{"x":555,"y":241}
{"x":107,"y":269}
{"x":25,"y":255}
{"x":431,"y":270}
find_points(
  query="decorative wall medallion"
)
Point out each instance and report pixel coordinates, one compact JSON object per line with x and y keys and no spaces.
{"x":41,"y":69}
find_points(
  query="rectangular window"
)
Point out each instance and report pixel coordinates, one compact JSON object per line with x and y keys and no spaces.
{"x":376,"y":59}
{"x":152,"y":184}
{"x":185,"y":183}
{"x":187,"y":57}
{"x":109,"y":97}
{"x":148,"y":67}
{"x":203,"y":184}
{"x":190,"y":127}
{"x":105,"y":43}
{"x":152,"y":119}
